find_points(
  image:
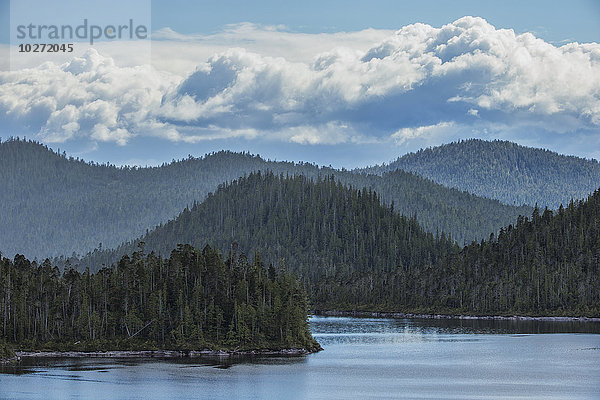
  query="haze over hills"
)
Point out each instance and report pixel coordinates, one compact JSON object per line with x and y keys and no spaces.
{"x":351,"y":249}
{"x":54,"y":205}
{"x":503,"y":170}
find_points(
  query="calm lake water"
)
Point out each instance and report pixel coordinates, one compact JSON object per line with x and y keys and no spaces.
{"x":364,"y":358}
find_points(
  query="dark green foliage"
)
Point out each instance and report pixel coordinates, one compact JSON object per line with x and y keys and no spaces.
{"x":321,"y":229}
{"x":6,"y":352}
{"x":190,"y":301}
{"x":53,"y":205}
{"x":352,"y":252}
{"x":546,"y":265}
{"x":503,"y":170}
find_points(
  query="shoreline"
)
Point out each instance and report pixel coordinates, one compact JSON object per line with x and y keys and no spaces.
{"x":162,"y":353}
{"x":400,"y":315}
{"x":291,"y":352}
{"x":9,"y":361}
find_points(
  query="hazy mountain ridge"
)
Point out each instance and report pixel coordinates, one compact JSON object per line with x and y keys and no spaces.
{"x":54,"y":205}
{"x":503,"y":170}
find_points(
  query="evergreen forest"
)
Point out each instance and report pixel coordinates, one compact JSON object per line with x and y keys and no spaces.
{"x":548,"y":264}
{"x":54,"y":205}
{"x":353,"y":252}
{"x":317,"y":238}
{"x":191,"y":300}
{"x":504,"y":171}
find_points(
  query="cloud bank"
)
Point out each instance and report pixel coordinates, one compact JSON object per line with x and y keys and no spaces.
{"x":420,"y":82}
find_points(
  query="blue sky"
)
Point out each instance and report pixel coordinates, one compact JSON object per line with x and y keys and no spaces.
{"x":552,"y":20}
{"x":346,"y":83}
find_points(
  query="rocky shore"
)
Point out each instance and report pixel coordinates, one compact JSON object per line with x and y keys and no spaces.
{"x":163,"y":353}
{"x":335,"y":313}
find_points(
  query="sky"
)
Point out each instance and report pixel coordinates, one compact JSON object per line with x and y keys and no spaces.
{"x":341,"y":83}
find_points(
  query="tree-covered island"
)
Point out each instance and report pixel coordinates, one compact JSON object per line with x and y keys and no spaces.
{"x":193,"y":300}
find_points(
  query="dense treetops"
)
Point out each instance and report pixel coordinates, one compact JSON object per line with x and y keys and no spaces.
{"x":190,"y":301}
{"x":548,"y":264}
{"x":317,"y":227}
{"x":54,"y":205}
{"x":503,"y":170}
{"x":353,"y":252}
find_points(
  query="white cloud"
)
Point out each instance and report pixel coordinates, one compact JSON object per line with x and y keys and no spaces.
{"x":264,"y":82}
{"x":88,"y":96}
{"x":421,"y":132}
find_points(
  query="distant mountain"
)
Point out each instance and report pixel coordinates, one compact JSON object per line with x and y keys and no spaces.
{"x":503,"y":170}
{"x":56,"y":205}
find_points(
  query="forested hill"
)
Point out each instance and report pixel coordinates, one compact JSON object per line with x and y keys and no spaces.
{"x":548,"y":264}
{"x":190,"y":301}
{"x":55,"y":205}
{"x":318,"y":229}
{"x":503,"y":170}
{"x":352,"y":252}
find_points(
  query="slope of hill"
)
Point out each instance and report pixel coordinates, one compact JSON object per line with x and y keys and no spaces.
{"x":53,"y":205}
{"x":317,"y":228}
{"x":503,"y":170}
{"x":462,"y":215}
{"x":56,"y":205}
{"x":352,"y":252}
{"x":548,"y":264}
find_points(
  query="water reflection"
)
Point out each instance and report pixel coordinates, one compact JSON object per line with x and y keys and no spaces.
{"x":352,"y":330}
{"x":363,"y":358}
{"x":102,"y":365}
{"x":322,"y":324}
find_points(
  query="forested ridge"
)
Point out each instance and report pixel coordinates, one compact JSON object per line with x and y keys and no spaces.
{"x":192,"y":300}
{"x":56,"y":205}
{"x":352,"y":252}
{"x":318,"y":228}
{"x":547,"y":264}
{"x":503,"y":170}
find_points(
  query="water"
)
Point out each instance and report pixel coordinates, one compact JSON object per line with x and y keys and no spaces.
{"x":364,"y":358}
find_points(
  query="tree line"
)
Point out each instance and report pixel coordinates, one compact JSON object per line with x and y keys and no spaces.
{"x":547,"y":264}
{"x":192,"y":300}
